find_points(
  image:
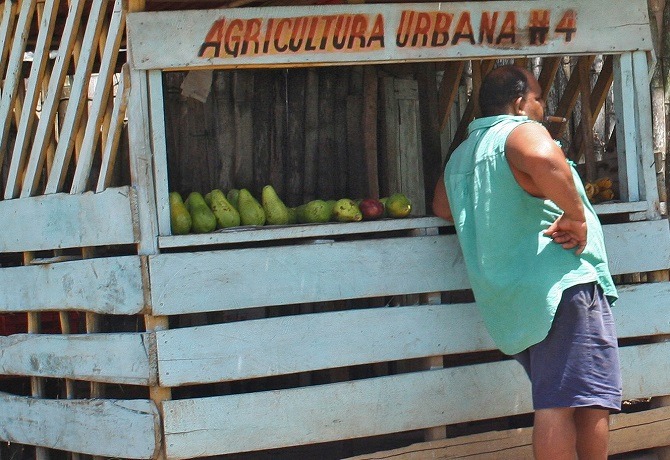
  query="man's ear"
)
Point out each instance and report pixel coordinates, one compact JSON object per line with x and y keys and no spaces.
{"x":518,"y":105}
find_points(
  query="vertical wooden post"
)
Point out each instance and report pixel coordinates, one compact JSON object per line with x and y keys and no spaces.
{"x":370,"y":107}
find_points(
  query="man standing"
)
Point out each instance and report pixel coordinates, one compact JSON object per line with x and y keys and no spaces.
{"x":534,"y":252}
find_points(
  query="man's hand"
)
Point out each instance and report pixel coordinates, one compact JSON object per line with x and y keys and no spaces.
{"x":569,"y":233}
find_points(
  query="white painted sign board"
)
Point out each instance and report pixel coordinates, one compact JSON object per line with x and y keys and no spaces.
{"x":338,"y":34}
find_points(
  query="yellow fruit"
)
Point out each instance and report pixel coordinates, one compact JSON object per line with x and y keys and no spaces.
{"x":347,"y":210}
{"x":604,"y":182}
{"x":606,"y":195}
{"x":398,"y":206}
{"x":591,"y":190}
{"x":180,"y":219}
{"x":276,"y":212}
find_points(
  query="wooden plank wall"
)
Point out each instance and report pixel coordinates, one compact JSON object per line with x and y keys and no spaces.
{"x":208,"y":346}
{"x":68,"y":245}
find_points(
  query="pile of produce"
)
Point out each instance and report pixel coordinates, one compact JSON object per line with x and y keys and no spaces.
{"x":599,"y":190}
{"x":216,"y":210}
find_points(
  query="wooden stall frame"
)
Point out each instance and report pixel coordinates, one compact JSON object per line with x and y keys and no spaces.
{"x":632,"y":47}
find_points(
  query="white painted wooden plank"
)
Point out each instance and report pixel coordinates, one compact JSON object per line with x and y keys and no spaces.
{"x":159,"y":143}
{"x":240,"y":278}
{"x":34,"y":86}
{"x":624,"y":93}
{"x":620,"y":208}
{"x":108,"y":285}
{"x":45,"y":126}
{"x":188,"y":39}
{"x":110,"y":358}
{"x":14,"y":71}
{"x":111,"y":143}
{"x":141,"y":163}
{"x":368,"y":407}
{"x":103,"y":89}
{"x":74,"y":112}
{"x":276,"y":346}
{"x":6,"y":28}
{"x":638,"y":246}
{"x":63,"y":221}
{"x":278,"y":232}
{"x":643,"y":310}
{"x":646,"y":161}
{"x":111,"y":428}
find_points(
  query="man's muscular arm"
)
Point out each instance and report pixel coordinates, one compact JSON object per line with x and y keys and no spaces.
{"x":540,"y":167}
{"x":441,"y":206}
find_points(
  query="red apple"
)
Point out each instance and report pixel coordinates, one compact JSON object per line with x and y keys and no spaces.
{"x":371,"y":208}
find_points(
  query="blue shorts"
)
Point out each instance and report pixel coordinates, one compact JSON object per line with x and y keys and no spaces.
{"x":577,"y":364}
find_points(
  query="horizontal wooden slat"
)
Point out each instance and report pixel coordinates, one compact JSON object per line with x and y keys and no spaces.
{"x":263,"y":347}
{"x":240,"y":278}
{"x":638,"y":246}
{"x":327,"y":270}
{"x":516,"y":444}
{"x":246,"y":234}
{"x":65,"y":221}
{"x":368,"y":407}
{"x":110,"y":428}
{"x":110,"y":285}
{"x":109,"y":358}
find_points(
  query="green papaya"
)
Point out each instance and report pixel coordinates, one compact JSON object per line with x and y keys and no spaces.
{"x":316,"y":211}
{"x":276,"y":212}
{"x":226,"y":215}
{"x":292,"y":216}
{"x":251,"y":211}
{"x":233,"y":197}
{"x":180,"y":219}
{"x":203,"y":218}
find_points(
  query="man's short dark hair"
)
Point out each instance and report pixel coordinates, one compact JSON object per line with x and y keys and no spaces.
{"x":500,"y":88}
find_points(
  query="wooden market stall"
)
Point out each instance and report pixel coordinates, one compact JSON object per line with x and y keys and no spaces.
{"x":325,"y":340}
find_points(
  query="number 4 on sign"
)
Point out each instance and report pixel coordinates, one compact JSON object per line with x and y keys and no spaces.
{"x":567,"y":25}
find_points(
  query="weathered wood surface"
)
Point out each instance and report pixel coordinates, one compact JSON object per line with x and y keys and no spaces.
{"x":375,"y":406}
{"x":275,"y":346}
{"x":241,"y":278}
{"x":278,"y":232}
{"x":402,"y":163}
{"x":638,"y":246}
{"x":109,"y":285}
{"x":65,"y":221}
{"x":110,"y":358}
{"x":110,"y":428}
{"x":190,"y":32}
{"x":516,"y":444}
{"x":321,"y":271}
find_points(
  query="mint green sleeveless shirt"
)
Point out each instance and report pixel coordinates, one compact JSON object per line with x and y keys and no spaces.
{"x":517,"y":274}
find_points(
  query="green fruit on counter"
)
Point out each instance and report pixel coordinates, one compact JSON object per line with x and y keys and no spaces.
{"x":203,"y":218}
{"x":346,"y":210}
{"x":276,"y":212}
{"x":383,"y":201}
{"x":316,"y":211}
{"x":226,"y":215}
{"x":331,"y":205}
{"x":251,"y":211}
{"x":233,"y":197}
{"x":398,"y":206}
{"x":292,"y":216}
{"x":180,"y":219}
